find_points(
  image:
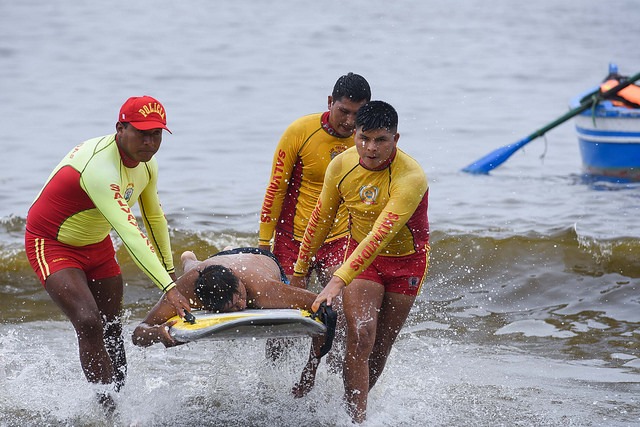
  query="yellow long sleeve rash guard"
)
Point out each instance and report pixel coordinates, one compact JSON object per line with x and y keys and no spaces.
{"x":387,"y":211}
{"x":91,"y":191}
{"x":299,"y":164}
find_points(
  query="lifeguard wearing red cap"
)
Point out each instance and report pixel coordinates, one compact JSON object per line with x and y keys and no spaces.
{"x":144,"y":113}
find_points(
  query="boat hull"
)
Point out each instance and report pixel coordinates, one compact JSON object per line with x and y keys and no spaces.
{"x":609,"y":140}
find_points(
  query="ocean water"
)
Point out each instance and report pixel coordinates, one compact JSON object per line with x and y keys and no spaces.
{"x":530,"y":314}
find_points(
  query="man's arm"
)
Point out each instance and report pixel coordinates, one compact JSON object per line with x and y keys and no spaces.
{"x":284,"y":159}
{"x":155,"y":326}
{"x":406,"y":196}
{"x":105,"y":192}
{"x":102,"y":187}
{"x":384,"y":230}
{"x":272,"y":294}
{"x":320,"y":221}
{"x":154,"y":219}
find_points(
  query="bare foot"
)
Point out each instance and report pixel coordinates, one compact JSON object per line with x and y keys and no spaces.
{"x":188,"y":259}
{"x":108,"y":404}
{"x":187,"y":255}
{"x":302,"y":388}
{"x":307,"y":379}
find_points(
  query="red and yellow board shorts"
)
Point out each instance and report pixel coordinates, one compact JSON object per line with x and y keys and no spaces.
{"x":330,"y":254}
{"x":48,"y":256}
{"x":401,"y":275}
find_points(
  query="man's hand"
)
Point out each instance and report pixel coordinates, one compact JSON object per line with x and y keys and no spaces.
{"x":332,"y":290}
{"x":177,"y":300}
{"x":163,"y":334}
{"x":145,"y":335}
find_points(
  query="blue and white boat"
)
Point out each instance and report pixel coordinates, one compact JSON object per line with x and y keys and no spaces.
{"x":609,"y":138}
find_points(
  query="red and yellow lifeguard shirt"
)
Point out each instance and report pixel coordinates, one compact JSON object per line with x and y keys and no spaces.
{"x":387,"y":211}
{"x":299,"y":164}
{"x":91,"y":191}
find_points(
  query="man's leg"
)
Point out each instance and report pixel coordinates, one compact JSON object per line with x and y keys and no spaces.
{"x":393,"y":313}
{"x":68,"y":288}
{"x":108,"y":294}
{"x":361,"y":301}
{"x":308,"y":376}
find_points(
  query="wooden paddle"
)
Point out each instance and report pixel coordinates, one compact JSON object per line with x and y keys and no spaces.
{"x":500,"y":155}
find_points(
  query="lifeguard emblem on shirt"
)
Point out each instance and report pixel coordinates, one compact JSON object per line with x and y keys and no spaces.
{"x":369,"y":194}
{"x":337,"y":150}
{"x":128,"y":192}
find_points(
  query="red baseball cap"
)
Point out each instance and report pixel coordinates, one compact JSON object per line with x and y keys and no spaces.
{"x":144,"y":113}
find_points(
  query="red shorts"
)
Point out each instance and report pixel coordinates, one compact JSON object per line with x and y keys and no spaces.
{"x":330,"y":254}
{"x":47,"y":256}
{"x":401,"y":275}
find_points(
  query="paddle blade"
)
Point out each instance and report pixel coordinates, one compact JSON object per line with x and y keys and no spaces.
{"x":495,"y":158}
{"x":499,"y":156}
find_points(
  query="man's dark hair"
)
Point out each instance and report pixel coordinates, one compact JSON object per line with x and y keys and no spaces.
{"x":352,"y":86}
{"x":215,"y":287}
{"x":377,"y":115}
